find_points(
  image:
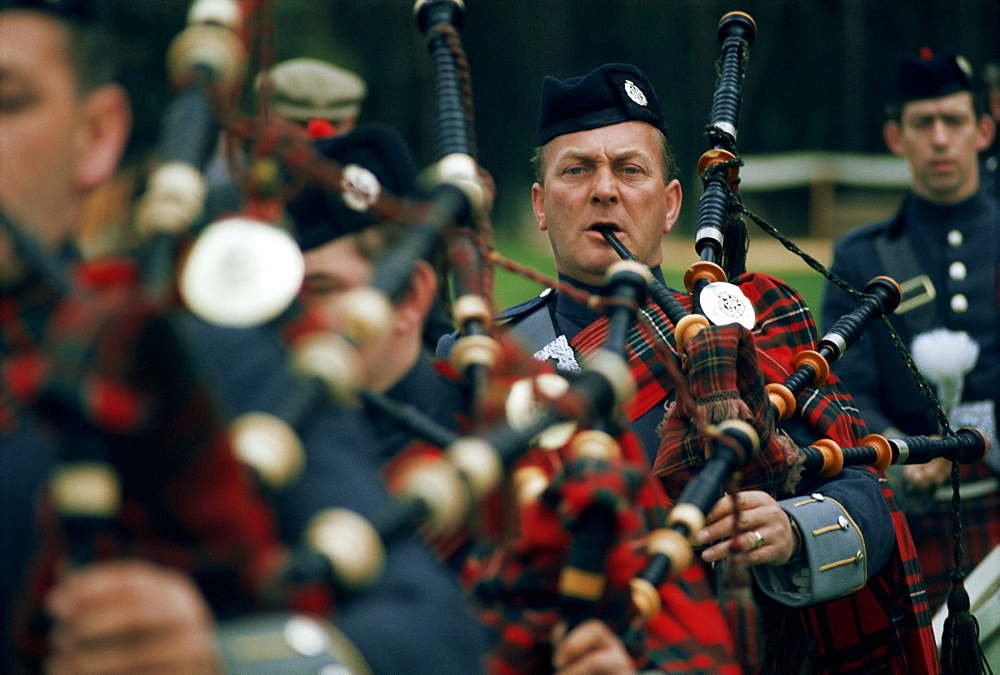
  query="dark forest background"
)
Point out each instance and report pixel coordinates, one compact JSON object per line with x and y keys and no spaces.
{"x":817,"y":75}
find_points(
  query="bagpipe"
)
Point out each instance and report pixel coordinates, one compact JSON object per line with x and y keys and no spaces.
{"x":145,"y":467}
{"x":246,"y":272}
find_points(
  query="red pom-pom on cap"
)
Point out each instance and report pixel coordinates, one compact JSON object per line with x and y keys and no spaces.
{"x":320,"y":128}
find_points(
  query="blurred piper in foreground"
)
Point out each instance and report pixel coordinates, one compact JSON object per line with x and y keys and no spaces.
{"x":63,"y":124}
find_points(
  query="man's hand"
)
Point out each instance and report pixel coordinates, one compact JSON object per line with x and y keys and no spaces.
{"x":929,"y":475}
{"x":759,"y":514}
{"x":591,"y":649}
{"x":130,"y":616}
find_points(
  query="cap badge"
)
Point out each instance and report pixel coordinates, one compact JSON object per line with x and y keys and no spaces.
{"x":635,"y":93}
{"x":361,"y":188}
{"x":964,"y":65}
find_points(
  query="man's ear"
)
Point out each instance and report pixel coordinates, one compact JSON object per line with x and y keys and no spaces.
{"x":413,"y":308}
{"x":674,"y":196}
{"x":103,"y":133}
{"x":893,"y":135}
{"x":994,"y":103}
{"x":538,"y":205}
{"x":986,"y":130}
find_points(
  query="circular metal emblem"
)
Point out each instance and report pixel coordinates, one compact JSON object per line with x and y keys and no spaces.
{"x":724,"y":303}
{"x":964,"y":64}
{"x":241,"y":272}
{"x":361,"y":187}
{"x":635,"y":93}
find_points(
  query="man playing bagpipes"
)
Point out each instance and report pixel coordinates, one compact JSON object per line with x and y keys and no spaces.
{"x":345,"y":447}
{"x":604,"y":163}
{"x":149,"y":616}
{"x":342,"y":249}
{"x":95,"y":369}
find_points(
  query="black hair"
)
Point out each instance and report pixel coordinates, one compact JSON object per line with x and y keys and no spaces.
{"x":93,"y":54}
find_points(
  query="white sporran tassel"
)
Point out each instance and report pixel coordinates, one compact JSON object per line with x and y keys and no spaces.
{"x":945,"y":357}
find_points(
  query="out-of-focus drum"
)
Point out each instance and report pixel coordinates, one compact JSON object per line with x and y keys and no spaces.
{"x":983,"y":586}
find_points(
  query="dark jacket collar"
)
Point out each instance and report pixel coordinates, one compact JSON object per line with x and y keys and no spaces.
{"x":918,"y":209}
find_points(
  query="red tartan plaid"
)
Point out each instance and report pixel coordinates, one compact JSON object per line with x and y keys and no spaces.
{"x":109,"y":362}
{"x":935,"y":536}
{"x":650,"y":376}
{"x":516,"y":585}
{"x":725,"y":382}
{"x":784,"y":328}
{"x":864,"y":622}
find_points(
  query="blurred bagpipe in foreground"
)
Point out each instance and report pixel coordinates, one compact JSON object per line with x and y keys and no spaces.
{"x":158,"y":377}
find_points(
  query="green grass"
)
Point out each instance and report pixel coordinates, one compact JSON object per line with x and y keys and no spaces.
{"x":512,"y":288}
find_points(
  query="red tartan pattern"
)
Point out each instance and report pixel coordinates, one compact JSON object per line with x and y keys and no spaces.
{"x":648,"y":373}
{"x":866,"y":621}
{"x":935,"y":537}
{"x":110,"y":362}
{"x":784,"y":328}
{"x":788,"y":328}
{"x":890,"y":631}
{"x":725,"y":383}
{"x":515,"y":586}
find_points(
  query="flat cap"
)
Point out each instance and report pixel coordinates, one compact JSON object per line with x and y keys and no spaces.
{"x":304,"y":89}
{"x":612,"y":93}
{"x":319,"y":216}
{"x":931,"y":76}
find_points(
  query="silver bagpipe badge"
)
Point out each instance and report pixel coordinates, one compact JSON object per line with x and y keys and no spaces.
{"x":724,"y":303}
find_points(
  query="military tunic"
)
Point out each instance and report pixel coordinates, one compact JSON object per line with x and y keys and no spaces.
{"x":956,"y":251}
{"x":415,"y":618}
{"x":989,"y":175}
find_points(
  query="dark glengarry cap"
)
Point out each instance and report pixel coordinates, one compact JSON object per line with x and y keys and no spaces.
{"x":991,"y":74}
{"x":612,"y":93}
{"x":70,"y":9}
{"x":931,"y":76}
{"x":319,"y":216}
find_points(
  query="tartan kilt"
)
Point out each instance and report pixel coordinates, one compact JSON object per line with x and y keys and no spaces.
{"x":882,"y":628}
{"x":934,"y":535}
